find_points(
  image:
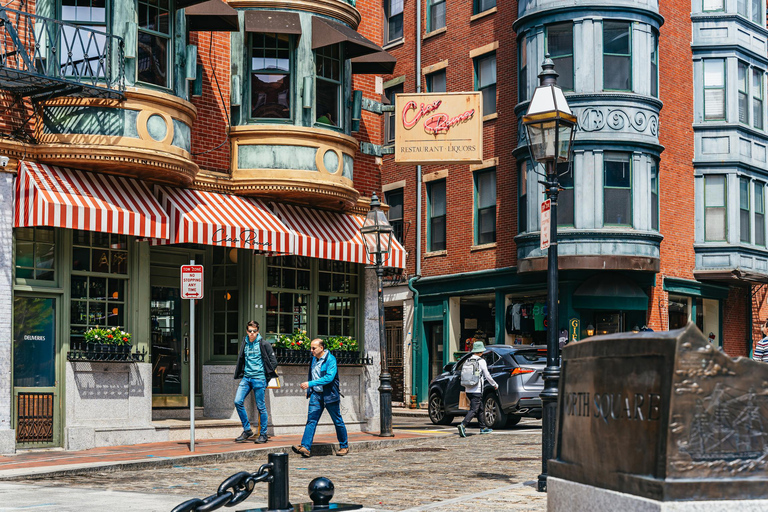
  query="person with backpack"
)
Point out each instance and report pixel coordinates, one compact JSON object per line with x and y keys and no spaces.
{"x":474,"y":374}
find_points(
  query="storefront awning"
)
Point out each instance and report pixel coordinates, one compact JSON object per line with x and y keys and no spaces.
{"x":208,"y":218}
{"x":272,"y":22}
{"x":65,"y":198}
{"x":326,"y":33}
{"x":331,"y":236}
{"x":212,"y":16}
{"x":610,"y":292}
{"x":381,"y":63}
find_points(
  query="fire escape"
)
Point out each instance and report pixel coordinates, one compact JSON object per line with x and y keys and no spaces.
{"x":43,"y":58}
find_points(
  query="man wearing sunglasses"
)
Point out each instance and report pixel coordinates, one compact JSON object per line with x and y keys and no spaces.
{"x":256,"y":364}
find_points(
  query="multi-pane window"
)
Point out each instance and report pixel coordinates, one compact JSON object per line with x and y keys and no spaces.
{"x":389,"y":119}
{"x":655,"y":64}
{"x":337,"y":300}
{"x":154,"y":51}
{"x":35,"y":253}
{"x":743,"y":79}
{"x":435,"y":15}
{"x":485,"y":81}
{"x":744,"y":207}
{"x":80,"y":50}
{"x":565,"y":198}
{"x":559,"y":44}
{"x":742,"y":8}
{"x":394,"y":12}
{"x":617,"y":192}
{"x":522,"y":75}
{"x":655,"y":195}
{"x":394,"y":199}
{"x":757,"y":12}
{"x":436,"y":211}
{"x":270,"y":76}
{"x":328,"y":68}
{"x":759,"y":213}
{"x":617,"y":55}
{"x":288,"y":294}
{"x":485,"y":207}
{"x":757,"y":98}
{"x":436,"y":81}
{"x":715,"y":215}
{"x":752,"y":10}
{"x":99,"y":281}
{"x":226,"y":301}
{"x":715,"y":5}
{"x":522,"y":202}
{"x":714,"y":89}
{"x":483,"y":5}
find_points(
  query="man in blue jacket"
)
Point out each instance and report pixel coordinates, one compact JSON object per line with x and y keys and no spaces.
{"x":322,"y":389}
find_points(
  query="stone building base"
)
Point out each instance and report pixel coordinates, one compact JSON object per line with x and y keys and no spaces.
{"x":567,"y":496}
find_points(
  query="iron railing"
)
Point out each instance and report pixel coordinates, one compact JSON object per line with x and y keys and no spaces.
{"x":79,"y":350}
{"x":42,"y":58}
{"x":303,"y":357}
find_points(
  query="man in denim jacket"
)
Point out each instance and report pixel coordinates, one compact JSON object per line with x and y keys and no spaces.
{"x":322,"y":389}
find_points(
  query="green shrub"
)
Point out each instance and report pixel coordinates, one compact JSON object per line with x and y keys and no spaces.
{"x":107,"y":336}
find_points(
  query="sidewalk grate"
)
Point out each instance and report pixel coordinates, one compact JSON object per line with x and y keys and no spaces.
{"x":516,"y":459}
{"x":418,"y":450}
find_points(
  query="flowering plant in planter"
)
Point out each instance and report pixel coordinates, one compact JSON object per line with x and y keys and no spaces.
{"x":107,"y":336}
{"x":296,"y":341}
{"x":347,"y":343}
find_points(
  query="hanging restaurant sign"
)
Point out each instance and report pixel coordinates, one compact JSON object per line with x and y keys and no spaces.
{"x":438,"y":128}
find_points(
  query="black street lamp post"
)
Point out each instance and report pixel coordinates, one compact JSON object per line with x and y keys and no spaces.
{"x":550,"y":126}
{"x":377,"y":235}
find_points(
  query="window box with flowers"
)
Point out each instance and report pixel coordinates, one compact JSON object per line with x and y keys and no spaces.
{"x":293,"y":349}
{"x":104,"y":344}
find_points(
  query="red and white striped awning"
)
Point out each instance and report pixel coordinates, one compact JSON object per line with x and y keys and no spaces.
{"x":64,"y":198}
{"x":208,"y":218}
{"x":332,"y":236}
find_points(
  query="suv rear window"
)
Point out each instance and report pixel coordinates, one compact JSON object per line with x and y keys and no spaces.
{"x":524,"y":358}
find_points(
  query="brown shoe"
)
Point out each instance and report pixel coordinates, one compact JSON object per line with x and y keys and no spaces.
{"x":297,"y":448}
{"x":342,"y":452}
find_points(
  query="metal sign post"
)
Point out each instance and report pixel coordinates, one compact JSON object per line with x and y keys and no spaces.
{"x":192,"y":288}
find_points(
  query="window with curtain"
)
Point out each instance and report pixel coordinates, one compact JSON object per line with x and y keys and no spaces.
{"x":559,"y":45}
{"x":714,"y":89}
{"x":744,"y":207}
{"x":485,"y":207}
{"x":655,"y":195}
{"x":75,"y":44}
{"x":270,"y":76}
{"x":483,"y":5}
{"x":617,"y":190}
{"x":757,"y":12}
{"x":522,"y":194}
{"x":436,"y":81}
{"x":153,"y":56}
{"x":742,"y":7}
{"x":757,"y":98}
{"x":655,"y":64}
{"x":485,"y":81}
{"x":225,"y":288}
{"x":522,"y":73}
{"x":394,"y":199}
{"x":329,"y":66}
{"x":715,"y":214}
{"x":394,"y":12}
{"x":389,"y":118}
{"x":35,"y":254}
{"x":436,"y":15}
{"x":760,"y":213}
{"x":617,"y":55}
{"x":743,"y":78}
{"x":565,"y":198}
{"x":99,"y":281}
{"x":436,"y":210}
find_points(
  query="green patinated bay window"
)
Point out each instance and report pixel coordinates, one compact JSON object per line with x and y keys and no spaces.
{"x":154,"y":52}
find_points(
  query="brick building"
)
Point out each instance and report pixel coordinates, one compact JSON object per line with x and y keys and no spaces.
{"x":139,"y":136}
{"x":662,"y":213}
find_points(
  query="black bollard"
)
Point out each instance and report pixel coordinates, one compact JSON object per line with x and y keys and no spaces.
{"x":277,"y":489}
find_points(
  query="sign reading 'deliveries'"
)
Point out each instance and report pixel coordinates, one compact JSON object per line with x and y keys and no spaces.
{"x":546,"y":207}
{"x":191,"y":281}
{"x":438,"y":128}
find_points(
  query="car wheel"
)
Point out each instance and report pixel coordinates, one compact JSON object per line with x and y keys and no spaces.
{"x":512,"y":420}
{"x":494,"y":417}
{"x":437,"y":411}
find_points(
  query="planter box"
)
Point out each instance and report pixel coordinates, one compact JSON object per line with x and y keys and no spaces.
{"x":287,"y":356}
{"x":102,"y":352}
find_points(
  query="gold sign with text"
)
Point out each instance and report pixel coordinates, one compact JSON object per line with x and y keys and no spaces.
{"x":439,"y":128}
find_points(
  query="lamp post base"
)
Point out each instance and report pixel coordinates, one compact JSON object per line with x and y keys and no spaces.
{"x":385,"y":405}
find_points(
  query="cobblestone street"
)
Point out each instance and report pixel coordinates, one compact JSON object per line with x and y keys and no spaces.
{"x":495,"y":472}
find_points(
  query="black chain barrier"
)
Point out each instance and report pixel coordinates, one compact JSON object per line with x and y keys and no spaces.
{"x":235,"y":489}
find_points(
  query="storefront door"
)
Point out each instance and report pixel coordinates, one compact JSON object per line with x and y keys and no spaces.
{"x":36,"y":390}
{"x":434,"y":331}
{"x":170,"y":328}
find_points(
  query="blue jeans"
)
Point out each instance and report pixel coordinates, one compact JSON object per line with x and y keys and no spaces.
{"x":258,"y":386}
{"x":316,"y":406}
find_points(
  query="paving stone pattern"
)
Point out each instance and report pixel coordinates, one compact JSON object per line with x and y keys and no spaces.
{"x":494,"y":472}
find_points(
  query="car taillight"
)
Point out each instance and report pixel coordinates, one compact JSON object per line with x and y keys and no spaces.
{"x":520,"y":370}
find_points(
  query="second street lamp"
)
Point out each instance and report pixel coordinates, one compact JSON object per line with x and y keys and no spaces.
{"x":377,"y":236}
{"x":550,"y":126}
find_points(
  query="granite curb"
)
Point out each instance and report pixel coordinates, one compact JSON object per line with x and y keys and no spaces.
{"x":319,"y":449}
